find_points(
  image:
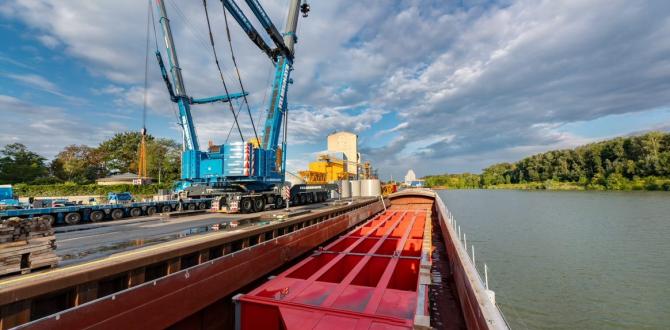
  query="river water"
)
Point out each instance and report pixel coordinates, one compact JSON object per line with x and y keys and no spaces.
{"x":571,"y":259}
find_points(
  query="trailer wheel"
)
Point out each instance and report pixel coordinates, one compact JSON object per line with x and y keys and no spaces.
{"x":72,"y":218}
{"x":96,"y":216}
{"x":166,"y":209}
{"x":190,"y":207}
{"x":135,"y":212}
{"x":247,"y":205}
{"x":279,"y":202}
{"x":151,"y":210}
{"x":259,"y":204}
{"x":49,"y":218}
{"x":202,"y":206}
{"x":117,"y":214}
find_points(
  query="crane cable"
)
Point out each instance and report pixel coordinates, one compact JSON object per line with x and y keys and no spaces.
{"x":239,"y":108}
{"x":218,"y":66}
{"x":146,"y":67}
{"x":239,"y":77}
{"x":142,"y":163}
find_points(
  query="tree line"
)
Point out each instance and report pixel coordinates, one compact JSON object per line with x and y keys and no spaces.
{"x":632,"y":162}
{"x":82,"y":164}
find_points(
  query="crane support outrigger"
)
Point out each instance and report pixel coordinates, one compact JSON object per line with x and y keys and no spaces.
{"x":240,"y":175}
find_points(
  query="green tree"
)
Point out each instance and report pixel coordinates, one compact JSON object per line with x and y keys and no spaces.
{"x":78,"y":163}
{"x":120,"y":153}
{"x":18,"y":164}
{"x":164,"y":160}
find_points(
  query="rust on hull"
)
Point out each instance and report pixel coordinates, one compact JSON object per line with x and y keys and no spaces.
{"x":160,"y":286}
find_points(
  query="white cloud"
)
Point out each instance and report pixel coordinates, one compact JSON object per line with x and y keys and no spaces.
{"x":48,"y":41}
{"x":46,"y":129}
{"x":43,"y":84}
{"x":489,"y":81}
{"x":36,"y":81}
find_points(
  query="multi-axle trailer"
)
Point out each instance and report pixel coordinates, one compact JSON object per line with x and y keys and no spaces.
{"x":75,"y":214}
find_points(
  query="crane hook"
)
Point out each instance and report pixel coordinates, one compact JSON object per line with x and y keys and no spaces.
{"x":304,"y":9}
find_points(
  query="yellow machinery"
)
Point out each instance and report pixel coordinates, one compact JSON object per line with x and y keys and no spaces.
{"x":325,"y":170}
{"x":142,"y":163}
{"x":389,"y":188}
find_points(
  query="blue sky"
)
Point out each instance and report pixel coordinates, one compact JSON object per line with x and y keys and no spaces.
{"x":438,"y":86}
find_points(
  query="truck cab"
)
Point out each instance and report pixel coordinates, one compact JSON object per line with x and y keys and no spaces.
{"x":7,"y":198}
{"x":119,"y":198}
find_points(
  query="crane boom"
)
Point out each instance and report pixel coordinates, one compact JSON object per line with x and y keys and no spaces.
{"x":278,"y":102}
{"x":190,"y":136}
{"x":269,"y":27}
{"x":249,"y":29}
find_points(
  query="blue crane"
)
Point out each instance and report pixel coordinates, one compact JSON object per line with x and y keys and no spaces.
{"x":244,"y":167}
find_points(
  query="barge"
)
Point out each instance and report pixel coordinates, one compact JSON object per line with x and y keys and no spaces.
{"x":373,"y":264}
{"x":387,"y":273}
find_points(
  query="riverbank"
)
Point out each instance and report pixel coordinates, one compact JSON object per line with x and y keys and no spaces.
{"x":649,"y":184}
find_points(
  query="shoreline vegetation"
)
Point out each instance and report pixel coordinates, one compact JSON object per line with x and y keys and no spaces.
{"x":625,"y":163}
{"x":75,"y":169}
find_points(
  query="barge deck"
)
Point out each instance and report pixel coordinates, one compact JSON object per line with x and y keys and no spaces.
{"x":394,"y":264}
{"x":396,"y":271}
{"x":184,"y":276}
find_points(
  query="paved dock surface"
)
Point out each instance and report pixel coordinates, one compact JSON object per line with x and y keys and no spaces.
{"x":96,"y":240}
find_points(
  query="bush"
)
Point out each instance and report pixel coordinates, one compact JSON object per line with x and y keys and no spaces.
{"x":73,"y":189}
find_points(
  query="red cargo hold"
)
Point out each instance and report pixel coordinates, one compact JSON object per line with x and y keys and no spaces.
{"x":367,"y":279}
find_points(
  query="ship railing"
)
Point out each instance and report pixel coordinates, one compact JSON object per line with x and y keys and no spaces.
{"x":462,"y":238}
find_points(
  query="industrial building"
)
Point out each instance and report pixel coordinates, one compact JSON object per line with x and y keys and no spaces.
{"x":411,"y":180}
{"x":346,"y":143}
{"x":340,"y":162}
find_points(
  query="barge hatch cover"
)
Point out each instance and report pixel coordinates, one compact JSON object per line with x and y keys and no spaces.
{"x":367,"y":279}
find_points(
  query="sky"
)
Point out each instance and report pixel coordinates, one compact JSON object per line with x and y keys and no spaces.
{"x":437,"y":86}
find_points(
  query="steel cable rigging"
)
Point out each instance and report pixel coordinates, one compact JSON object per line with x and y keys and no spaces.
{"x":237,"y":70}
{"x":218,"y":66}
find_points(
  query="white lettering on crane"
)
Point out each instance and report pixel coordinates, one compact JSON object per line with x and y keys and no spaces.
{"x":187,"y":132}
{"x":282,"y":92}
